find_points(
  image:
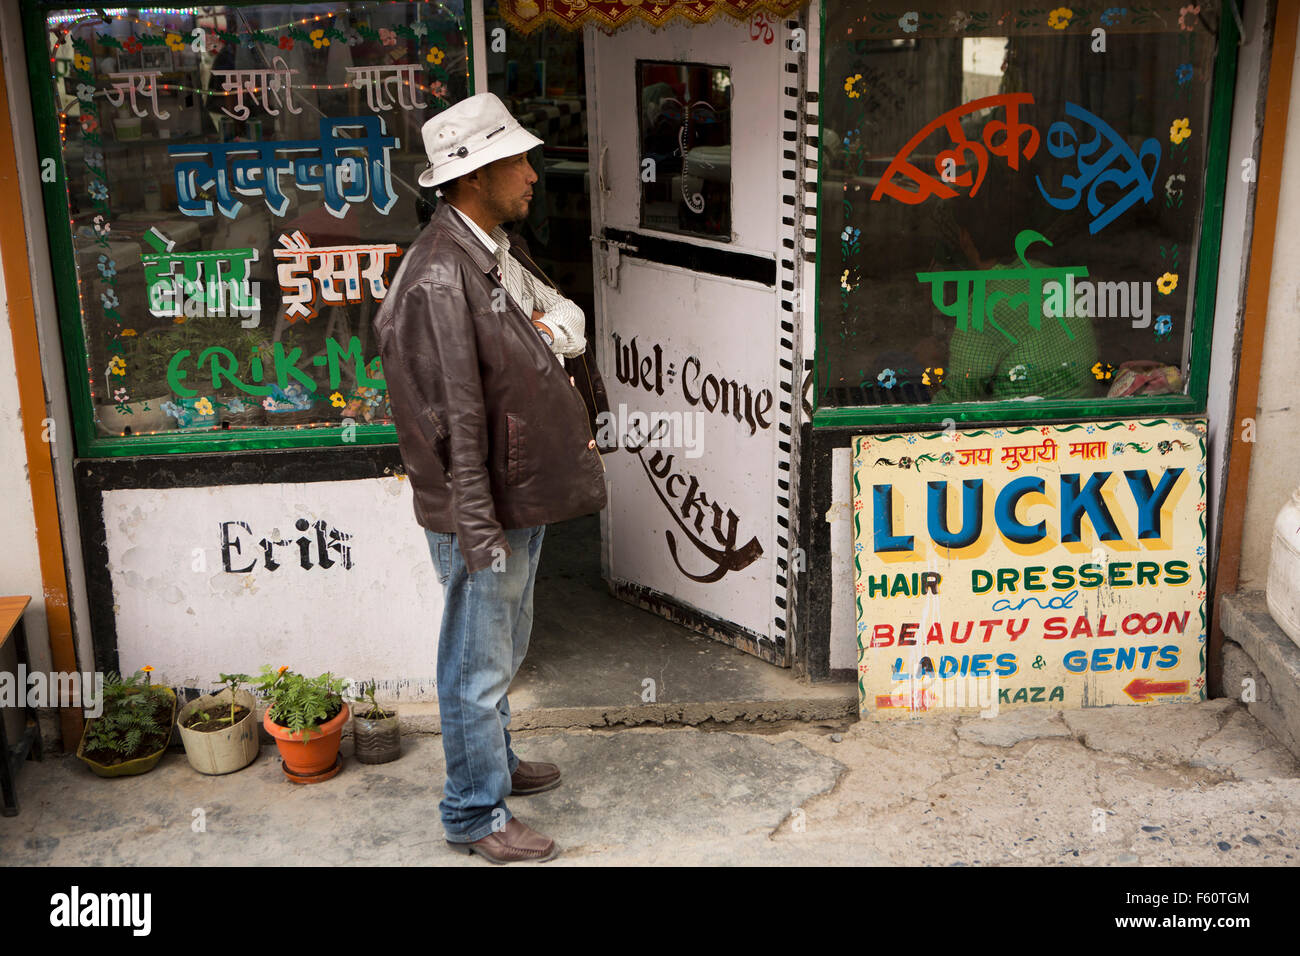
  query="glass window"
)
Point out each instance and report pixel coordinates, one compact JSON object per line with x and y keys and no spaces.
{"x":1010,"y":201}
{"x":541,"y":77}
{"x":685,"y":148}
{"x":241,"y":185}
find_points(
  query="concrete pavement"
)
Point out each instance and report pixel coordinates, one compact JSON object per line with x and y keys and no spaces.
{"x":1195,"y":784}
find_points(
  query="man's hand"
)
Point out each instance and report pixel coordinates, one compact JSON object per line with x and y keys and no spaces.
{"x":537,"y":317}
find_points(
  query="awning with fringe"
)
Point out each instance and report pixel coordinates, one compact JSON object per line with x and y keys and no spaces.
{"x":609,"y":15}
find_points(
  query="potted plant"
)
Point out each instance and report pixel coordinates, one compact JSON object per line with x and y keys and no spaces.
{"x":376,"y":735}
{"x":305,"y":716}
{"x":219,"y":730}
{"x":129,"y":737}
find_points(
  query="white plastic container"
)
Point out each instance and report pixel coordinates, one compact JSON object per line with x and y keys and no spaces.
{"x":1283,"y":589}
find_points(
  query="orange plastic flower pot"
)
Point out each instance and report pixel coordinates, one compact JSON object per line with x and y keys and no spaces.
{"x":315,"y":754}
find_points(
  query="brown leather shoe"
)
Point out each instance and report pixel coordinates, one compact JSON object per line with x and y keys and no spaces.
{"x":517,"y":842}
{"x":533,"y":778}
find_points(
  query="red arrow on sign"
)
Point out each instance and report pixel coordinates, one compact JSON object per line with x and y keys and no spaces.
{"x":1142,"y":690}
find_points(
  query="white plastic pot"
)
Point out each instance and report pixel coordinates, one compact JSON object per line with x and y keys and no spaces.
{"x":223,"y":751}
{"x":1283,"y":589}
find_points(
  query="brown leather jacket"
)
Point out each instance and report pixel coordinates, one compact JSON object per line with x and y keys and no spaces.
{"x":491,"y":431}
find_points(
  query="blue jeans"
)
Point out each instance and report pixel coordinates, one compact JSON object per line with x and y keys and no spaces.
{"x":486,"y":621}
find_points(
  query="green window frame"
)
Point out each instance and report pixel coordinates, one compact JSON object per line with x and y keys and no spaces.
{"x":89,"y":443}
{"x":1193,"y":401}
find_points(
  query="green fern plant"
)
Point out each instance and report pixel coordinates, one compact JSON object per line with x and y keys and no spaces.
{"x":128,"y":716}
{"x":300,"y":703}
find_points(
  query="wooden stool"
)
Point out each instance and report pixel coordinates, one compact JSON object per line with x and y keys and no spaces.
{"x":13,"y":755}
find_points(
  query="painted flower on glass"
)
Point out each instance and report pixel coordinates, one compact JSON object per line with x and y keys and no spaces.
{"x":1179,"y":130}
{"x":81,"y":62}
{"x":132,"y":45}
{"x":235,"y":406}
{"x":438,"y":89}
{"x":128,"y":332}
{"x":354,"y":38}
{"x":844,"y":281}
{"x":268,"y":403}
{"x":286,"y":42}
{"x":387,"y":36}
{"x":89,"y":122}
{"x":174,"y":42}
{"x":85,"y":91}
{"x":117,"y":366}
{"x":337,"y":400}
{"x":203,"y":406}
{"x":435,"y":55}
{"x":95,"y":158}
{"x":1187,"y":17}
{"x":1018,"y":374}
{"x":887,"y":378}
{"x":1164,"y":324}
{"x":850,"y":234}
{"x":319,"y":39}
{"x":98,"y":191}
{"x":1101,"y":371}
{"x":101,"y":225}
{"x":215,"y":44}
{"x":1113,"y":15}
{"x":109,"y":299}
{"x":1059,"y":18}
{"x":851,"y":86}
{"x":960,"y":20}
{"x":1167,"y":283}
{"x":121,"y":394}
{"x":107,"y":267}
{"x":910,"y":21}
{"x":1183,"y":74}
{"x":419,"y":29}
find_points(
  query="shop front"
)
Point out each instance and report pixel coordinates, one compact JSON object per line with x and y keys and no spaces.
{"x":809,"y":238}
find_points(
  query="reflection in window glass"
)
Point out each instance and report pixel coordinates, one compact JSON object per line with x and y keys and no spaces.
{"x":685,"y":148}
{"x":1007,"y":210}
{"x":541,"y":78}
{"x":242,"y":185}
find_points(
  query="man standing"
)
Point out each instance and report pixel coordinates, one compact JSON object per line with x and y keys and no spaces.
{"x":497,"y":444}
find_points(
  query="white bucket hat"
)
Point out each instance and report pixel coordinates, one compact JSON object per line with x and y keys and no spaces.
{"x":474,"y":132}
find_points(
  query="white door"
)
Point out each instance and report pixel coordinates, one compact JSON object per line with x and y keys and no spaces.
{"x":687,"y":192}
